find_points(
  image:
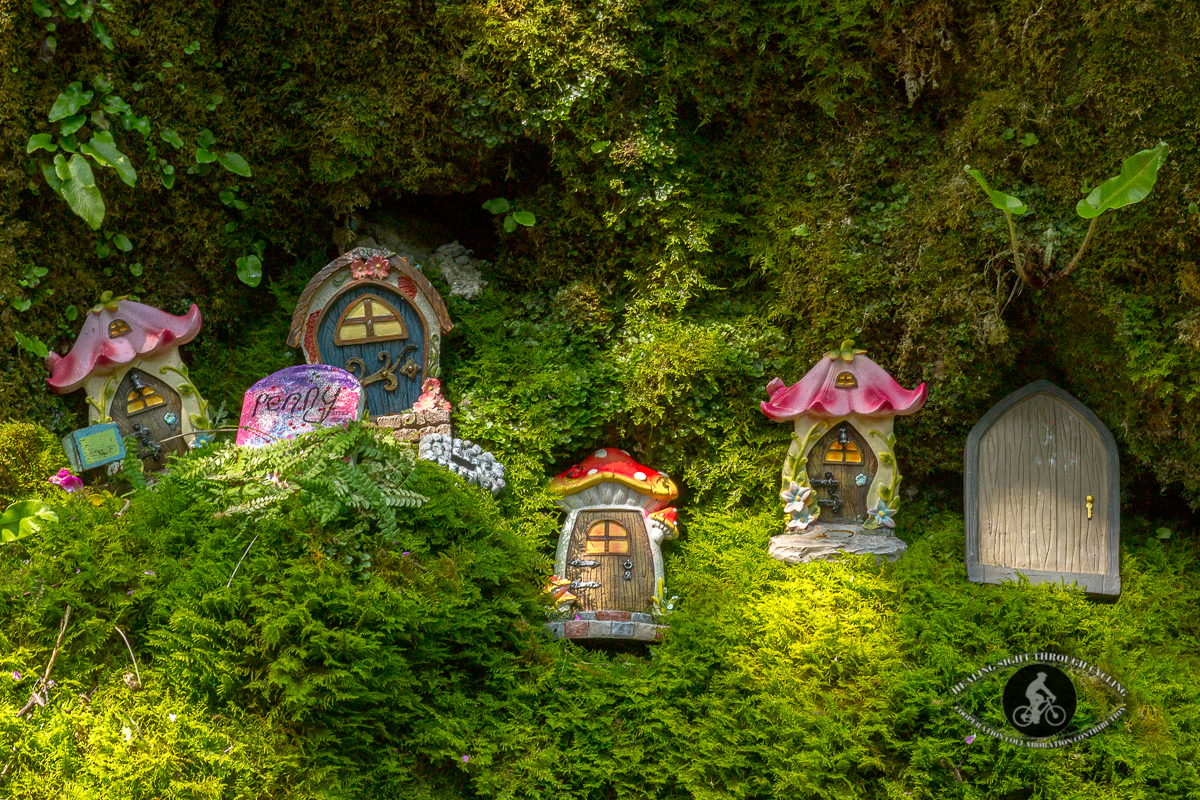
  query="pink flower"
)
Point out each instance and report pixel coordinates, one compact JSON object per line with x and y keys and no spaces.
{"x":466,"y":759}
{"x":67,"y":481}
{"x":16,"y":675}
{"x":970,"y":739}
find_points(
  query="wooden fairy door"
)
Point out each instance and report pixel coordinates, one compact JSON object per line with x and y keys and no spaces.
{"x":609,"y":561}
{"x":841,"y":466}
{"x":1042,"y":493}
{"x":149,"y":410}
{"x":375,"y":333}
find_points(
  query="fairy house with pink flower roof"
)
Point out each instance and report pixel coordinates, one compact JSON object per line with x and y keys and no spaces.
{"x":840,"y":480}
{"x":608,"y":581}
{"x":127,"y":360}
{"x":372,"y":314}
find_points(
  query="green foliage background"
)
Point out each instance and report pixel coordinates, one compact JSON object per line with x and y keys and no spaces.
{"x":723,"y":189}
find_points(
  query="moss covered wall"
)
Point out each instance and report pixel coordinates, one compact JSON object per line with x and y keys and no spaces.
{"x":753,"y":179}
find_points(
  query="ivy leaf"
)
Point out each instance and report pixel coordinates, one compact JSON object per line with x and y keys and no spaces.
{"x":235,"y":164}
{"x":122,"y":243}
{"x":70,"y":102}
{"x":102,"y":33}
{"x":496,"y":206}
{"x":525,"y":218}
{"x":106,"y":154}
{"x":204,"y":156}
{"x":72,"y":124}
{"x":41,"y":141}
{"x":171,"y":137}
{"x":82,"y":195}
{"x":249,"y":270}
{"x":1005,"y":202}
{"x":1138,"y":174}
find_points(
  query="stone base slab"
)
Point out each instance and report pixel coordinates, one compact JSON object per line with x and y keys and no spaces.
{"x":617,"y":625}
{"x":413,"y":426}
{"x":830,"y":541}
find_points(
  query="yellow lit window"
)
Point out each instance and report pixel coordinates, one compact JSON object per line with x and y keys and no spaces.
{"x":607,"y":536}
{"x":142,"y":399}
{"x":118,"y":327}
{"x":839,"y":453}
{"x":369,"y":319}
{"x":846,"y":381}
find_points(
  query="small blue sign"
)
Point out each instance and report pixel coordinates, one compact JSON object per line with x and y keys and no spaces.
{"x":94,"y":447}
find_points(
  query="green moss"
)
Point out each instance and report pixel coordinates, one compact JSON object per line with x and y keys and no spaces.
{"x":29,"y":455}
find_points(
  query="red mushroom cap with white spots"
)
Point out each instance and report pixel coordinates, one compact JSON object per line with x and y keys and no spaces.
{"x":612,"y":464}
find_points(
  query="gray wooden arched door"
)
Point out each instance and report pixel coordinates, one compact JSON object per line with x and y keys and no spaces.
{"x":1042,"y":493}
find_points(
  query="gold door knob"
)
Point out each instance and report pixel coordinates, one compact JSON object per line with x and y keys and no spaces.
{"x":1089,"y":506}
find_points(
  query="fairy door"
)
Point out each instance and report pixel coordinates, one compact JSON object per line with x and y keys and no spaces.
{"x":609,"y":561}
{"x":149,"y":410}
{"x":840,"y":468}
{"x":1042,"y":488}
{"x":375,"y":333}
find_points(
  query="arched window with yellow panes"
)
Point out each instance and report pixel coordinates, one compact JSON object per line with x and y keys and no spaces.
{"x":370,"y":318}
{"x":142,"y":398}
{"x":846,"y":380}
{"x":606,"y":537}
{"x":843,"y":452}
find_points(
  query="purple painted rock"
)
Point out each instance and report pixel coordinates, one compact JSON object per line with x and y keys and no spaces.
{"x":298,"y":400}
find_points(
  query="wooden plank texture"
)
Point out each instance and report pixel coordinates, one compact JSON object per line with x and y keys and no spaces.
{"x":853,"y":496}
{"x":615,"y":593}
{"x":1037,"y":465}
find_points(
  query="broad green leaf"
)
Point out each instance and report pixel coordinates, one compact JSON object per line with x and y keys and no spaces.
{"x":49,"y":172}
{"x":102,"y":149}
{"x":525,"y":218}
{"x":1002,"y":201}
{"x":24,"y":519}
{"x":69,"y":143}
{"x":81,"y":192}
{"x":136,"y":269}
{"x":205,"y":156}
{"x":235,"y":164}
{"x":41,"y":141}
{"x":32,"y":344}
{"x":1029,"y":140}
{"x":496,"y":206}
{"x":72,"y":313}
{"x":72,"y":124}
{"x":510,"y":224}
{"x":122,"y":242}
{"x":171,"y":137}
{"x":70,"y":102}
{"x":61,"y":169}
{"x":102,"y":33}
{"x":23,"y":304}
{"x":1138,"y":174}
{"x":596,"y":147}
{"x":206,"y":139}
{"x":249,"y":270}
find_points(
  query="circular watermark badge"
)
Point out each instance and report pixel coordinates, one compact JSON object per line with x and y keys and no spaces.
{"x":1039,"y":701}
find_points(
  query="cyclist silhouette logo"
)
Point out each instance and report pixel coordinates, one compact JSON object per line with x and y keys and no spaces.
{"x":1039,"y":700}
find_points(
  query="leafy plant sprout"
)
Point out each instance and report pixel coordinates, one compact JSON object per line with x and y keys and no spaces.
{"x":1138,"y":175}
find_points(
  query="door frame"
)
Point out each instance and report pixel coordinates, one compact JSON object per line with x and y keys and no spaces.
{"x":1106,"y":583}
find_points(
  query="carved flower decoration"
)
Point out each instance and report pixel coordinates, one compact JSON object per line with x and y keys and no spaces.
{"x":375,"y":268}
{"x":795,"y":497}
{"x":881,"y":515}
{"x":801,"y":518}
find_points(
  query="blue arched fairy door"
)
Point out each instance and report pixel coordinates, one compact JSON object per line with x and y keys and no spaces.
{"x":375,"y":333}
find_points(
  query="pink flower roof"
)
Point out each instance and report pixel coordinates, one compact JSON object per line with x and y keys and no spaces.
{"x":870,"y":393}
{"x":104,"y":344}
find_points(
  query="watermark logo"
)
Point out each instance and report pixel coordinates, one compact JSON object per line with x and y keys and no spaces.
{"x":1040,"y":700}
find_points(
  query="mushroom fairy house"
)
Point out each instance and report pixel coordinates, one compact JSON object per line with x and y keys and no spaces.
{"x":127,"y":359}
{"x":840,"y":478}
{"x":608,"y":581}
